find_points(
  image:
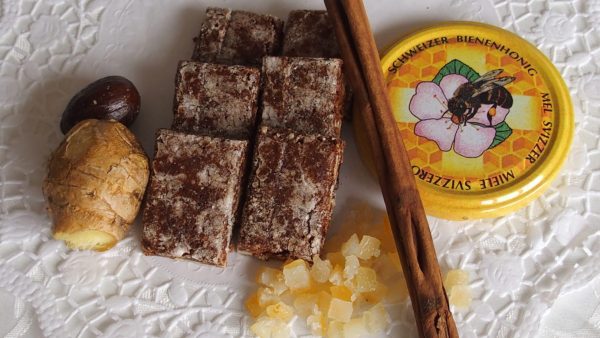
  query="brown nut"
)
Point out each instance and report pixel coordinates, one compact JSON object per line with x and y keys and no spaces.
{"x":109,"y":98}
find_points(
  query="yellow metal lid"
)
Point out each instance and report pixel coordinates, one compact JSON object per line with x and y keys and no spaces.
{"x":485,"y":117}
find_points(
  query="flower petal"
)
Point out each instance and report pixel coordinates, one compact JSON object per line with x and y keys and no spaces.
{"x":482,"y":115}
{"x":450,"y":83}
{"x":472,"y":140}
{"x":441,"y":131}
{"x":428,"y":102}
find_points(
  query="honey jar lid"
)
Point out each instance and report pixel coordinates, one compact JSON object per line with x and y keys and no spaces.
{"x":486,"y":118}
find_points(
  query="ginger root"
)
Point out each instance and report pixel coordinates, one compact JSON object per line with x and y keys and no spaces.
{"x":95,"y":184}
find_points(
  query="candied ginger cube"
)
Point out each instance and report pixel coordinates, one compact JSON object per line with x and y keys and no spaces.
{"x":282,"y":332}
{"x":456,"y":277}
{"x":317,"y":323}
{"x":377,"y":319}
{"x":351,"y":246}
{"x":365,"y":280}
{"x":266,"y":296}
{"x":272,"y":278}
{"x":337,"y":275}
{"x":266,"y":327}
{"x":321,"y":269}
{"x":306,"y":304}
{"x":355,"y":328}
{"x":460,"y":296}
{"x":266,"y":276}
{"x":340,"y":296}
{"x":341,"y":292}
{"x":376,"y":295}
{"x":368,"y":247}
{"x":340,"y":310}
{"x":297,"y":275}
{"x":350,"y":285}
{"x":252,"y":305}
{"x":351,"y":267}
{"x":280,"y":310}
{"x":335,"y":330}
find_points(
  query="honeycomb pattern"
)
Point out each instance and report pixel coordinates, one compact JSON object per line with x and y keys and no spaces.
{"x":510,"y":154}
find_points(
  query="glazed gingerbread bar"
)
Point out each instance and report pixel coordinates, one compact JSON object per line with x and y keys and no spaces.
{"x":193,"y":196}
{"x":290,"y":195}
{"x":309,"y":33}
{"x":237,"y":37}
{"x":303,"y":94}
{"x":216,"y":100}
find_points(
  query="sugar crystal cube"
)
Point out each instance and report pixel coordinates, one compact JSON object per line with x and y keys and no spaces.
{"x":321,"y":269}
{"x":351,"y":246}
{"x":377,"y":319}
{"x":335,"y":330}
{"x":365,"y":280}
{"x":368,"y":247}
{"x":355,"y":328}
{"x":252,"y":305}
{"x":340,"y":310}
{"x":272,"y":278}
{"x":351,"y":267}
{"x":306,"y":304}
{"x":266,"y":327}
{"x":297,"y":275}
{"x":280,"y":310}
{"x":460,"y":296}
{"x":456,"y":277}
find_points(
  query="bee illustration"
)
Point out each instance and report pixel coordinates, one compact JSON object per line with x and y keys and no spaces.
{"x":488,"y":89}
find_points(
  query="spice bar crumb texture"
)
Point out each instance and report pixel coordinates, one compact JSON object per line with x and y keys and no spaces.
{"x":310,"y":34}
{"x":193,"y":197}
{"x":237,"y":37}
{"x":216,"y":100}
{"x":304,"y":94}
{"x":290,"y":195}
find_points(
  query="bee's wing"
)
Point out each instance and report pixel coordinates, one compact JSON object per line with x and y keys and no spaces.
{"x":484,"y":88}
{"x":491,"y":83}
{"x":489,"y":75}
{"x":503,"y":81}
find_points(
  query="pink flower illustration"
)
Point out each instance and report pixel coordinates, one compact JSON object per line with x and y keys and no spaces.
{"x":430,"y":105}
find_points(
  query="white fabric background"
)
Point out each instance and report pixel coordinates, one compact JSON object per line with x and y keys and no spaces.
{"x":532,"y":272}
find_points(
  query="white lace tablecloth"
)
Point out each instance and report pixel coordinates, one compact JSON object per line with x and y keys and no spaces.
{"x":532,"y":272}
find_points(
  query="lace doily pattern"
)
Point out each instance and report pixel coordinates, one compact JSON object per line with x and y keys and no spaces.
{"x":41,"y":43}
{"x":518,"y":264}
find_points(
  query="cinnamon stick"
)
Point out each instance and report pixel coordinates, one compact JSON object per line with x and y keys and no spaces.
{"x":403,"y":204}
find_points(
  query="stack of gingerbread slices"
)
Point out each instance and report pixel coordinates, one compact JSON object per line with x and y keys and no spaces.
{"x":254,"y":148}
